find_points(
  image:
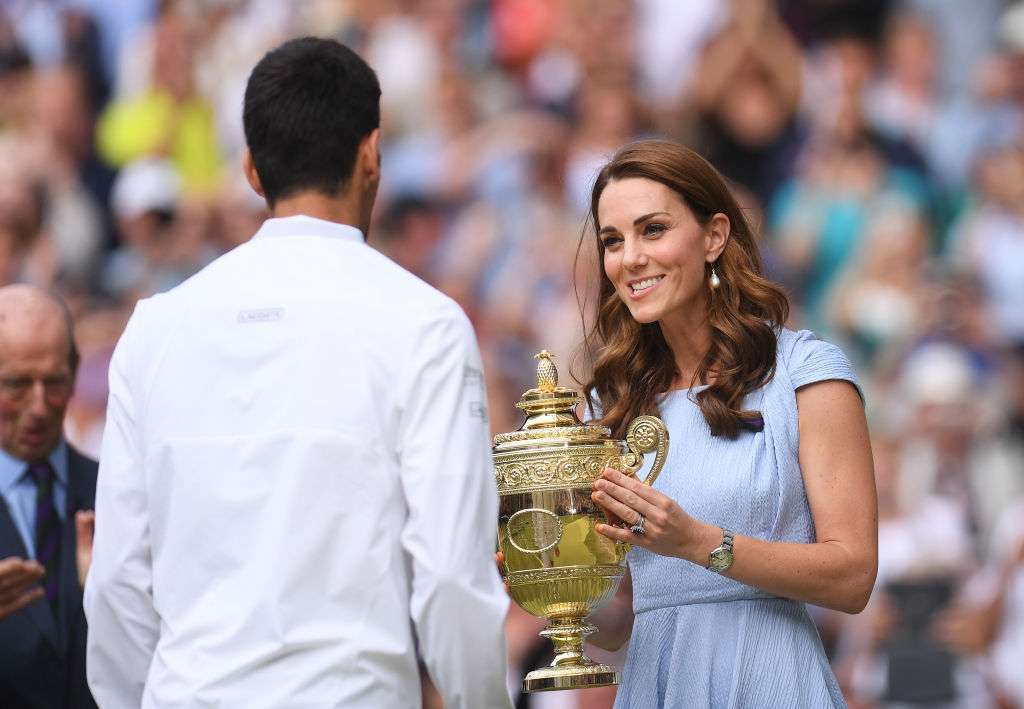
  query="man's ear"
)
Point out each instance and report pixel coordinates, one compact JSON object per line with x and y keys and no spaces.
{"x":249,"y":168}
{"x":369,"y":156}
{"x":718,"y":230}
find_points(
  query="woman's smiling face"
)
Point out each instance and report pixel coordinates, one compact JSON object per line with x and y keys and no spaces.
{"x":654,"y":247}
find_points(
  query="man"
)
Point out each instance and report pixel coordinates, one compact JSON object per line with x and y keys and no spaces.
{"x":45,"y":486}
{"x":295,"y":474}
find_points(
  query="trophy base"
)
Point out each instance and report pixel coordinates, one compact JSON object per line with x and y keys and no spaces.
{"x":570,"y":677}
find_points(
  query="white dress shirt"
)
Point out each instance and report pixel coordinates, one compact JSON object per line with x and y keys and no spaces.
{"x":295,"y":482}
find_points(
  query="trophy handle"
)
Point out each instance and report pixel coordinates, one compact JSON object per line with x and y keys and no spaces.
{"x":645,"y":435}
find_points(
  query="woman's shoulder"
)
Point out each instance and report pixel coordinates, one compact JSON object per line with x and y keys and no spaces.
{"x":806,"y":359}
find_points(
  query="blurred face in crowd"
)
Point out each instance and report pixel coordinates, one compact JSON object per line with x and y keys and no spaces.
{"x":753,"y":113}
{"x":910,"y":54}
{"x":61,"y":110}
{"x":1001,"y":178}
{"x":35,"y":374}
{"x":655,"y":250}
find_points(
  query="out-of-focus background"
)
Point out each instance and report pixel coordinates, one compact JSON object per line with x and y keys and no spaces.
{"x":878,"y":145}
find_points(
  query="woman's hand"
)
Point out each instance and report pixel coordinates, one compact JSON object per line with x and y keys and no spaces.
{"x":499,"y":559}
{"x":85,"y":528}
{"x":668,"y":530}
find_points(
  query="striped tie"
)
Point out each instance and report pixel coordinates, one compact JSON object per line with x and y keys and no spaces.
{"x":47,"y":529}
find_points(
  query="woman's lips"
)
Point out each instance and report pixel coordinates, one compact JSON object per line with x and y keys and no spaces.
{"x":640,"y":287}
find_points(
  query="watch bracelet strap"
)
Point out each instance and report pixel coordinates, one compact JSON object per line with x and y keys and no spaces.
{"x":727,"y":537}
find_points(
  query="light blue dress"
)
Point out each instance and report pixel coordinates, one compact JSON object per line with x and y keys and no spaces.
{"x":704,"y":640}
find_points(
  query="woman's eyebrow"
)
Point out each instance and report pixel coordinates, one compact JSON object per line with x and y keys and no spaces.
{"x":636,"y":221}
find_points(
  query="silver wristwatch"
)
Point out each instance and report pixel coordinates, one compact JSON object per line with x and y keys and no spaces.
{"x":720,"y":558}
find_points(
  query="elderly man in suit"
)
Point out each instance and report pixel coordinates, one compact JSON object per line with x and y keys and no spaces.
{"x":46,"y":489}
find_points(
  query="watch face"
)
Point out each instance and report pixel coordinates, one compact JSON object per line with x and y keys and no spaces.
{"x":721,"y":559}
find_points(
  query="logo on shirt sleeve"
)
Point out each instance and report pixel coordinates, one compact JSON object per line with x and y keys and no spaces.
{"x":473,"y":382}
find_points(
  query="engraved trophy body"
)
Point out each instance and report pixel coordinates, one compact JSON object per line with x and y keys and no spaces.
{"x":556,"y":564}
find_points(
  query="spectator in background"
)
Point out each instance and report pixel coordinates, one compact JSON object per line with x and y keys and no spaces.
{"x":21,"y":220}
{"x":905,"y":101}
{"x":989,"y":240}
{"x":820,"y":216}
{"x":878,"y":299}
{"x":747,"y":92}
{"x":1005,"y":610}
{"x":145,"y":200}
{"x":74,"y":183}
{"x":169,"y":118}
{"x":46,"y":488}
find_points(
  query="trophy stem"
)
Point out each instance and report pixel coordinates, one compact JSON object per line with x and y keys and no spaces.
{"x":567,"y":635}
{"x":571,"y":668}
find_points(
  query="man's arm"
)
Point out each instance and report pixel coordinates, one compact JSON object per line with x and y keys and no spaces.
{"x":123,"y":625}
{"x":458,"y":603}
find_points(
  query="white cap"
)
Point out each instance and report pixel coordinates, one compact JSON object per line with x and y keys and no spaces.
{"x":939,"y":373}
{"x":145,"y":185}
{"x":1011,"y":27}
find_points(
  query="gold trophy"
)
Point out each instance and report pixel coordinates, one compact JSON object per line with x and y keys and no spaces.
{"x":556,"y":564}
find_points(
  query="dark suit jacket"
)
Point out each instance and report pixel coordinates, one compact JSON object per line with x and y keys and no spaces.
{"x":42,"y":657}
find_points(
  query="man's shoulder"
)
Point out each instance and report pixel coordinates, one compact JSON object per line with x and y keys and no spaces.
{"x":421,"y":296}
{"x":403,"y":291}
{"x":395,"y":293}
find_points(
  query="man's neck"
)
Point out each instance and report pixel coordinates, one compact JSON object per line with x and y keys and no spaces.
{"x":340,"y":209}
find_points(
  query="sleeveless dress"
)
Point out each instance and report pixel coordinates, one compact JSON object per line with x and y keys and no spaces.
{"x":703,"y":640}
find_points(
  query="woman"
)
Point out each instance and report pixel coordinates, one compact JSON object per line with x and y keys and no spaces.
{"x":769,"y":478}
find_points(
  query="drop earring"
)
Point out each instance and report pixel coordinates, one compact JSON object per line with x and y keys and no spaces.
{"x":714,"y":281}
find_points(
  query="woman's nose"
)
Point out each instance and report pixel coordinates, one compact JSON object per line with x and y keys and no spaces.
{"x":633,"y":255}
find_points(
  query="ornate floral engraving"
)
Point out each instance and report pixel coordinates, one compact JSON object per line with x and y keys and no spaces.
{"x":570,"y":572}
{"x":553,"y":470}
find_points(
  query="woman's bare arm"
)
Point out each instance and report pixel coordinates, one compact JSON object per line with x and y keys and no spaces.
{"x":838,"y":569}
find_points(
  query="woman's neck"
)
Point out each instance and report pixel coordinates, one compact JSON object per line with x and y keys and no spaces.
{"x":688,"y":335}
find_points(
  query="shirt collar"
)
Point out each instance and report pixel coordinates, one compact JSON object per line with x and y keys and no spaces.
{"x":303,"y":225}
{"x":12,"y":469}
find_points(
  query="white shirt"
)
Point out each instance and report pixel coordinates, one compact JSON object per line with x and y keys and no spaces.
{"x":295,"y":478}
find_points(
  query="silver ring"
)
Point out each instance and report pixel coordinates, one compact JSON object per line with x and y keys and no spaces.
{"x":638,"y":528}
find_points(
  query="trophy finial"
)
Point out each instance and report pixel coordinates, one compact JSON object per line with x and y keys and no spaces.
{"x":547,"y":375}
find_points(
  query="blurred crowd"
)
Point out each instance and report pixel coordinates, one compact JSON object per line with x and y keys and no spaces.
{"x":878,"y":145}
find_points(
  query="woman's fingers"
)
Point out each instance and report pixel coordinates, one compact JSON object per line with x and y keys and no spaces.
{"x":611,"y":505}
{"x":645,"y":492}
{"x":626,"y":496}
{"x":499,"y":559}
{"x":617,"y":533}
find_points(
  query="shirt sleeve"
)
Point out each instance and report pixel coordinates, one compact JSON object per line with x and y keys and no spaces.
{"x":812,"y":360}
{"x":458,"y":603}
{"x":118,"y":599}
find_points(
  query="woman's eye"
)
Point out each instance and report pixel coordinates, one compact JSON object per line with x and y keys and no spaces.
{"x":611,"y":241}
{"x":653,"y":228}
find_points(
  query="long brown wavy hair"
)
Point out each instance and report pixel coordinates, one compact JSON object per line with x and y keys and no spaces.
{"x":632,"y":365}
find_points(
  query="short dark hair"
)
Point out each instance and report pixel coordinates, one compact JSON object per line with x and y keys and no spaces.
{"x":308,"y":105}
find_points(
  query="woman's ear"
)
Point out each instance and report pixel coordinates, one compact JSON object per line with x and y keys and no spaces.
{"x":718,"y":230}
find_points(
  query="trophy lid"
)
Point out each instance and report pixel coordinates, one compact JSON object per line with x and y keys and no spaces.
{"x":550,"y":412}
